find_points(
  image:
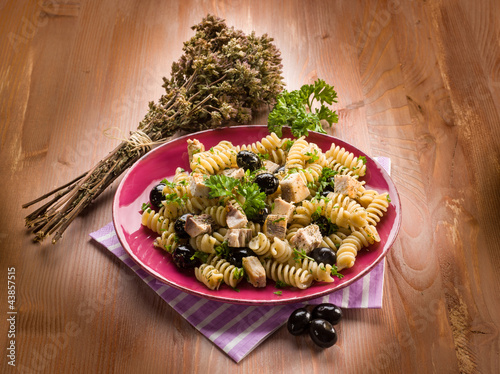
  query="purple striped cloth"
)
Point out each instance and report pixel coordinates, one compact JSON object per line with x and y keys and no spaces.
{"x":238,"y":329}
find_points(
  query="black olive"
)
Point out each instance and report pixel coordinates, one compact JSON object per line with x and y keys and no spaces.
{"x":298,"y":322}
{"x":329,"y":312}
{"x":324,"y":255}
{"x":322,"y":333}
{"x":248,"y":160}
{"x":236,"y":255}
{"x":281,"y":169}
{"x":180,"y":226}
{"x":182,"y":257}
{"x":156,"y":196}
{"x":324,"y":225}
{"x":261,"y":216}
{"x":267,"y":182}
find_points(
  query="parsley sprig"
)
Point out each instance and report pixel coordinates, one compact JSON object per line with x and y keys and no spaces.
{"x":299,"y":255}
{"x":224,"y":186}
{"x":295,"y":109}
{"x":335,"y":272}
{"x":222,"y":250}
{"x":326,"y":180}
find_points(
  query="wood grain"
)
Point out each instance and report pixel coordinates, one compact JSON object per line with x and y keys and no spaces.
{"x":418,"y":81}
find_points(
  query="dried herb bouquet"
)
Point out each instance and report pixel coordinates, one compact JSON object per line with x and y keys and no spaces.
{"x":222,"y":76}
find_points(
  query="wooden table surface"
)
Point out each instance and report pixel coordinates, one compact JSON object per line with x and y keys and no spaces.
{"x":418,"y":81}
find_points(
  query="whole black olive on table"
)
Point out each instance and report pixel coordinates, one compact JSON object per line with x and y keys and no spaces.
{"x":322,"y":333}
{"x":329,"y":312}
{"x":298,"y":322}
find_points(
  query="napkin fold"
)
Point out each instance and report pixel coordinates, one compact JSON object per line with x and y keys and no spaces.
{"x":238,"y":329}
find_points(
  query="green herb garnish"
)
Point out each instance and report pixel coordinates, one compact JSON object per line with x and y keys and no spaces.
{"x":279,"y":293}
{"x":279,"y":219}
{"x":254,"y":199}
{"x":201,"y":255}
{"x":222,"y":250}
{"x":281,"y":284}
{"x":313,"y":156}
{"x":288,"y":144}
{"x":335,"y":273}
{"x":173,"y":198}
{"x":295,"y":109}
{"x":221,"y":185}
{"x":299,"y":255}
{"x":167,"y":183}
{"x":263,"y":156}
{"x":145,"y":206}
{"x":326,"y":180}
{"x":238,"y":273}
{"x":224,"y":186}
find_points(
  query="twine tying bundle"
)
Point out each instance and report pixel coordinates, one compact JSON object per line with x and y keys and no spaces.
{"x":138,"y":140}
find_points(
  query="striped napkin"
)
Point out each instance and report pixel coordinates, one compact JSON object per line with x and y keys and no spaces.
{"x":238,"y":329}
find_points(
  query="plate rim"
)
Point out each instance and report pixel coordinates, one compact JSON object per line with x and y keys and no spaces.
{"x":277,"y":301}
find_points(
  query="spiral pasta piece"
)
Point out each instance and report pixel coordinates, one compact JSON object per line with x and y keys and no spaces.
{"x":288,"y":274}
{"x":333,"y":241}
{"x":198,"y":204}
{"x":343,"y":211}
{"x":168,"y":239}
{"x":296,"y":158}
{"x":181,"y":176}
{"x":376,"y":209}
{"x":261,"y":245}
{"x":366,"y":197}
{"x":172,"y":210}
{"x":270,"y":145}
{"x":311,"y":175}
{"x":209,"y":276}
{"x":302,"y":215}
{"x":179,"y":185}
{"x":220,"y":157}
{"x":154,"y":221}
{"x":281,"y":250}
{"x":232,"y":275}
{"x":348,"y":250}
{"x":320,"y":272}
{"x":204,"y":243}
{"x":255,"y":227}
{"x":337,"y":155}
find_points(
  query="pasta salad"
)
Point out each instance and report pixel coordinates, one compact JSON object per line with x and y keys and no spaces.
{"x":277,"y":209}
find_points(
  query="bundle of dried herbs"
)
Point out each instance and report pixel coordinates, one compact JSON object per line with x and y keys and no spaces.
{"x":222,"y":77}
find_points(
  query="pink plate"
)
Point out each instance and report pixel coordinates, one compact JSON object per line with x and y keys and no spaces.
{"x":161,"y":163}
